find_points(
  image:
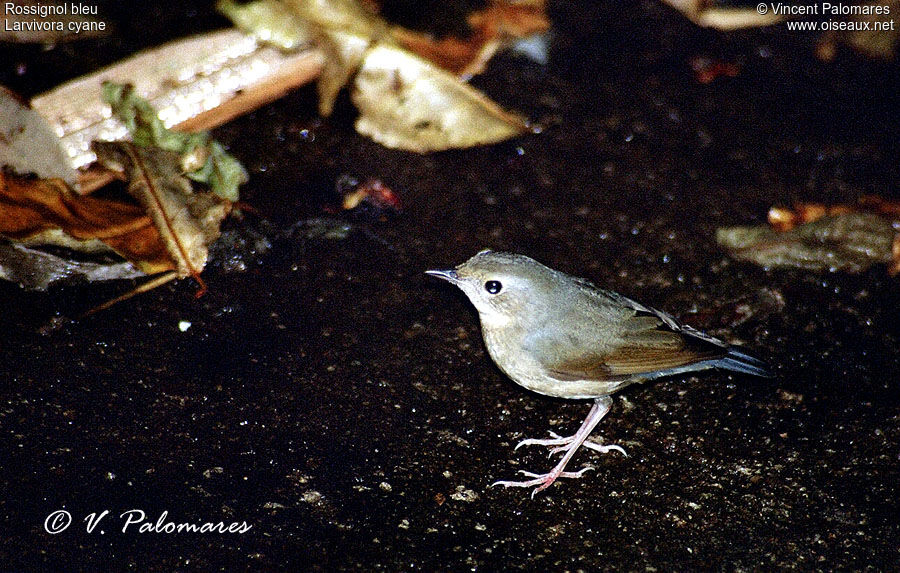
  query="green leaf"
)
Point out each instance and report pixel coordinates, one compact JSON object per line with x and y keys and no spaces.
{"x":220,"y":171}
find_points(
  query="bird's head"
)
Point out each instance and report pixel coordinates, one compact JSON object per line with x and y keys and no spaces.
{"x":503,"y":286}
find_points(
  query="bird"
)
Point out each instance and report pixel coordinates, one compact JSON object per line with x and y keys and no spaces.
{"x":562,"y":336}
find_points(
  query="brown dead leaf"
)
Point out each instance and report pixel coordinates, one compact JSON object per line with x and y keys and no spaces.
{"x":49,"y":232}
{"x":450,"y":53}
{"x":707,"y":70}
{"x":48,"y":212}
{"x":493,"y":28}
{"x":187,"y":222}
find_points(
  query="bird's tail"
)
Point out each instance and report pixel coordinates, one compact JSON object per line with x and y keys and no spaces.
{"x":739,"y":361}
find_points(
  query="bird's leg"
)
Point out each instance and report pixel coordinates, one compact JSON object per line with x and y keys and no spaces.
{"x":568,"y":445}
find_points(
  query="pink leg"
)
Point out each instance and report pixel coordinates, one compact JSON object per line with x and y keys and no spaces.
{"x":568,"y":445}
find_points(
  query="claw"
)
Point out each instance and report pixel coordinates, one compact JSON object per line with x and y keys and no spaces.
{"x":605,"y":449}
{"x":577,"y":474}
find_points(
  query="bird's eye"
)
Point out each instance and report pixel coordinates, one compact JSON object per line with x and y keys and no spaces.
{"x":493,"y":287}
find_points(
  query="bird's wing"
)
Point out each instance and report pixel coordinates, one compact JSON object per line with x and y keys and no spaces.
{"x":647,"y":342}
{"x":670,"y":321}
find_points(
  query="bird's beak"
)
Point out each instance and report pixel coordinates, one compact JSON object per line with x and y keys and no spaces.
{"x":449,"y":276}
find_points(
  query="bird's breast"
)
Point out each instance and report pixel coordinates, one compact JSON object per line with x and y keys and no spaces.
{"x":505,"y":345}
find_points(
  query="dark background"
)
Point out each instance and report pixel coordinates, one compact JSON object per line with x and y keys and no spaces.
{"x":342,"y":403}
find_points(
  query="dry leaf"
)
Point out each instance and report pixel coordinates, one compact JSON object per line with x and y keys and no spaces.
{"x":708,"y":14}
{"x":35,"y":210}
{"x":783,"y":219}
{"x":344,"y":53}
{"x":496,"y":27}
{"x":407,"y":103}
{"x":815,"y":237}
{"x":707,"y":70}
{"x":187,"y":221}
{"x":273,"y":23}
{"x":873,"y":35}
{"x":47,"y":212}
{"x":168,"y":229}
{"x":347,"y":16}
{"x":28,"y":144}
{"x":456,"y":55}
{"x":36,"y":268}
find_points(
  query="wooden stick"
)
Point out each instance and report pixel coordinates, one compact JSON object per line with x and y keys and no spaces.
{"x":195,"y":83}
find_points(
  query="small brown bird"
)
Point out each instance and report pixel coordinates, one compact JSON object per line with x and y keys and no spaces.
{"x":562,"y":336}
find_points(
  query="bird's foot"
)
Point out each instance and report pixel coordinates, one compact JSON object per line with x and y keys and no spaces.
{"x":543,"y":481}
{"x":568,"y":446}
{"x":563,"y":444}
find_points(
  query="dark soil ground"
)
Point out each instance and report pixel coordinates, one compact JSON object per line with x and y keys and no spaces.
{"x":342,"y":403}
